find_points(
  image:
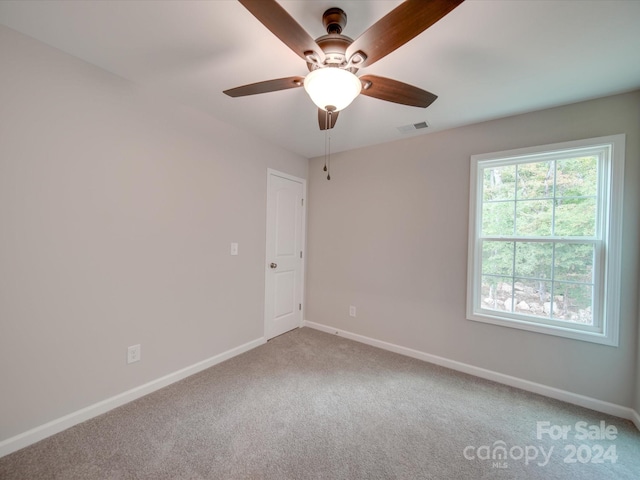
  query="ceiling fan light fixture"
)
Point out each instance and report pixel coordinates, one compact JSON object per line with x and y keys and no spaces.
{"x":332,"y":87}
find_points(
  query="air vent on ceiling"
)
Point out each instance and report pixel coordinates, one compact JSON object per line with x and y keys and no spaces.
{"x":413,"y":126}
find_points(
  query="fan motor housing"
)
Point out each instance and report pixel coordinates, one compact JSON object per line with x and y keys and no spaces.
{"x":334,"y":47}
{"x":333,"y":44}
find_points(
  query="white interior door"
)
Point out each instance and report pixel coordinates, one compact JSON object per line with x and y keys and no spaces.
{"x":284,"y":259}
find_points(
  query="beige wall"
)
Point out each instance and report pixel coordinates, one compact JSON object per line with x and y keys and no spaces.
{"x":637,"y":402}
{"x":388,"y":234}
{"x":116,"y":215}
{"x":117,"y":210}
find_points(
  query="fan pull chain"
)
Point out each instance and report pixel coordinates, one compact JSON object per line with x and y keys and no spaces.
{"x":326,"y":133}
{"x":329,"y":114}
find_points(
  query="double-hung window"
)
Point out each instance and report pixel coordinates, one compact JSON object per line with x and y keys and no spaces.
{"x":545,"y":238}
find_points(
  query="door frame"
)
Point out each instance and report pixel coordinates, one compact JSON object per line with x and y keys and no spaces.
{"x":272,"y":172}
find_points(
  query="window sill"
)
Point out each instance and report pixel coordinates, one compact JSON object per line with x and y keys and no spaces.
{"x":606,"y":338}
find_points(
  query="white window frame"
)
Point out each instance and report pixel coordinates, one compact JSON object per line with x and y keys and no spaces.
{"x":607,"y":265}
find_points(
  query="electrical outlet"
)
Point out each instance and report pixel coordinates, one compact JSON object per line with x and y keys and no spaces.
{"x":134,"y":354}
{"x":234,"y":248}
{"x":352,"y":311}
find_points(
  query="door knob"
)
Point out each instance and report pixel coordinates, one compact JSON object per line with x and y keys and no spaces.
{"x":273,"y":265}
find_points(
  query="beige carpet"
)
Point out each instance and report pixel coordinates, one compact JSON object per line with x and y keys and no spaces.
{"x":308,"y":405}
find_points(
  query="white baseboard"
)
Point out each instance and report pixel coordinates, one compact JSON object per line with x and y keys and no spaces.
{"x":55,"y":426}
{"x":551,"y":392}
{"x":636,"y":419}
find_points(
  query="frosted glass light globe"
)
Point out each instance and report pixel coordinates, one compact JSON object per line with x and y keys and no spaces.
{"x":332,"y":87}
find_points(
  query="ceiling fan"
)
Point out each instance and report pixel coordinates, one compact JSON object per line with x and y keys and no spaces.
{"x":334,"y":59}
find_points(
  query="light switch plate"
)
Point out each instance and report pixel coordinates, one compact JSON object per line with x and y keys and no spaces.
{"x":234,"y":249}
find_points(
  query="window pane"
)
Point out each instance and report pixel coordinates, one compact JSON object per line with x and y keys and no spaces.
{"x":573,"y":302}
{"x":533,"y":217}
{"x":535,"y":180}
{"x":531,"y":297}
{"x":497,"y":258}
{"x":497,"y":218}
{"x":497,"y":293}
{"x":499,"y":183}
{"x":575,"y":217}
{"x":534,"y":259}
{"x":574,"y":262}
{"x":577,"y":177}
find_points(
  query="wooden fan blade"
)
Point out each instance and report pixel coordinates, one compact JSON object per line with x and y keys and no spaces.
{"x":395,"y":91}
{"x":322,"y":119}
{"x":283,"y":26}
{"x":403,"y":23}
{"x":266,"y":86}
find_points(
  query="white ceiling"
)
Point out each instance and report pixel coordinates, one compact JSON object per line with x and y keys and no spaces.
{"x":487,"y":59}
